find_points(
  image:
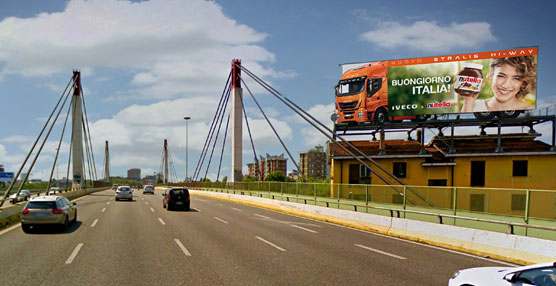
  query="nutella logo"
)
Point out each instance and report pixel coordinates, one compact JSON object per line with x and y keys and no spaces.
{"x":470,"y":79}
{"x":438,"y":104}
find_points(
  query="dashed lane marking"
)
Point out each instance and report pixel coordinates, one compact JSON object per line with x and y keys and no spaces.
{"x":94,"y":223}
{"x":74,"y":253}
{"x":217,"y":218}
{"x":380,"y":251}
{"x":270,"y":243}
{"x":161,"y":221}
{"x":185,"y":251}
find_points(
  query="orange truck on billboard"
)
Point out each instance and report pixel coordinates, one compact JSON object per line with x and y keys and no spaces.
{"x":488,"y":84}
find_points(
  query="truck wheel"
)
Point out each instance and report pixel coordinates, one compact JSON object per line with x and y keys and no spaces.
{"x":381,"y":116}
{"x":484,"y":115}
{"x":508,"y":114}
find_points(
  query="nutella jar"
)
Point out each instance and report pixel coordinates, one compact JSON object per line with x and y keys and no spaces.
{"x":469,"y":80}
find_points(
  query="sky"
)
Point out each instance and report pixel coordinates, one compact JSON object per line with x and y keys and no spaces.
{"x":147,"y":64}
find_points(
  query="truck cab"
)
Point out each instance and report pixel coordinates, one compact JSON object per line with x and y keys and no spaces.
{"x":362,"y":95}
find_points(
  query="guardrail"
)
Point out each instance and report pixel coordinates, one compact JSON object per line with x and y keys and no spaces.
{"x":342,"y":200}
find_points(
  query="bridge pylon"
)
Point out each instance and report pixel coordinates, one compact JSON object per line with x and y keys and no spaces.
{"x":236,"y":114}
{"x":77,"y":132}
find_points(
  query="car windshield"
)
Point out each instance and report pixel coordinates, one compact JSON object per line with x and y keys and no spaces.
{"x":41,"y":205}
{"x":350,"y":86}
{"x":124,"y":189}
{"x":24,"y":192}
{"x":178,"y":192}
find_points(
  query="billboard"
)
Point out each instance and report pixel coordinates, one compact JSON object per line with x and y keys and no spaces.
{"x":475,"y":82}
{"x":6,"y":176}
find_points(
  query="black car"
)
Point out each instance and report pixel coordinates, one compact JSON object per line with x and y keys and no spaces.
{"x":176,"y":198}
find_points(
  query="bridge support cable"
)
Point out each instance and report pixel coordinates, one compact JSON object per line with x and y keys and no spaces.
{"x":257,"y":171}
{"x":217,"y":133}
{"x":42,"y":145}
{"x":7,"y":192}
{"x":90,"y":156}
{"x":226,"y":89}
{"x":218,"y":121}
{"x":69,"y":161}
{"x":58,"y":150}
{"x":272,"y":127}
{"x":301,"y":113}
{"x":88,"y":131}
{"x":223,"y":145}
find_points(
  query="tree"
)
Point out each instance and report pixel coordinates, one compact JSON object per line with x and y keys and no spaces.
{"x":276,"y":176}
{"x":225,"y":179}
{"x":249,"y":178}
{"x":207,"y":180}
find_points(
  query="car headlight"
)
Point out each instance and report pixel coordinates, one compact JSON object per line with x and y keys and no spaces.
{"x":455,"y":275}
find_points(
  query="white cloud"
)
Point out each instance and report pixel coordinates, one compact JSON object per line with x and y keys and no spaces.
{"x":173,"y":47}
{"x":429,"y":36}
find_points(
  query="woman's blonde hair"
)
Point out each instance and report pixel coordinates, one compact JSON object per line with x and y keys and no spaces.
{"x":526,"y":68}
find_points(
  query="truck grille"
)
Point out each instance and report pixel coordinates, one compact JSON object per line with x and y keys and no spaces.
{"x":347,"y":105}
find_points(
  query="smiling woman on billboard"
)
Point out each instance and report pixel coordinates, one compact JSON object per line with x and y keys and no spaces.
{"x":513,"y":79}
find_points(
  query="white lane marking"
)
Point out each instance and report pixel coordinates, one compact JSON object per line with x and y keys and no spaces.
{"x":146,"y":203}
{"x":10,"y":228}
{"x":380,"y":251}
{"x":182,"y":247}
{"x":305,"y":229}
{"x":152,"y":210}
{"x":74,"y":253}
{"x":201,"y":200}
{"x":94,"y":223}
{"x":219,"y":204}
{"x":217,"y":218}
{"x":161,"y":221}
{"x":237,"y":209}
{"x":103,"y":209}
{"x":197,"y":210}
{"x":261,"y":216}
{"x":142,"y":199}
{"x":108,"y":203}
{"x":270,"y":243}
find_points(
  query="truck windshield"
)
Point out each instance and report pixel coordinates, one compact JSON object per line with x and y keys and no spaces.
{"x":350,"y":87}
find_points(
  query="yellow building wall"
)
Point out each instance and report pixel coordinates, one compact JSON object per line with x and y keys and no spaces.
{"x":541,"y":175}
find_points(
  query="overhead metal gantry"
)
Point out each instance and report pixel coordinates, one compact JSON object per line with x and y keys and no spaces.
{"x":440,"y":124}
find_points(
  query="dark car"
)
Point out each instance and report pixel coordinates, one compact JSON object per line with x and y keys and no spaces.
{"x":176,"y":198}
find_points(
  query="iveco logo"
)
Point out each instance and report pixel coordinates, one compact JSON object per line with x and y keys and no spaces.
{"x":404,"y":107}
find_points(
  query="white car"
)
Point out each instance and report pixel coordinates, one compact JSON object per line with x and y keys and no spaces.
{"x":543,"y":274}
{"x":124,"y":193}
{"x":24,"y":195}
{"x":53,"y":191}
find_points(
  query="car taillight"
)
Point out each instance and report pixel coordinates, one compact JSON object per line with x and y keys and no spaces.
{"x":188,"y":198}
{"x":57,"y":211}
{"x":117,"y":192}
{"x":168,"y":197}
{"x":25,"y":211}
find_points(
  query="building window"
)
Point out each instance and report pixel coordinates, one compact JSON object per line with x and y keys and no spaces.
{"x":520,"y":168}
{"x":477,"y":173}
{"x":354,"y":177}
{"x":477,"y":203}
{"x":518,"y":202}
{"x":399,"y":169}
{"x":440,"y":183}
{"x":365,"y":174}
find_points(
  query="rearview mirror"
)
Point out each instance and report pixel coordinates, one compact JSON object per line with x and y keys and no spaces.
{"x":512,"y":277}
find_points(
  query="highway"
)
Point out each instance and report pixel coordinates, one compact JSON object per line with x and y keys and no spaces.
{"x":216,"y":243}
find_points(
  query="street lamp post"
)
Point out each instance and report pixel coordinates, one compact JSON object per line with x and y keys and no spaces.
{"x":186,"y":143}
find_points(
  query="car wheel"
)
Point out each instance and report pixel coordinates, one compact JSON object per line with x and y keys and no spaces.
{"x":65,"y":226}
{"x":381,"y":116}
{"x":74,"y":218}
{"x":26,"y":228}
{"x":484,"y":115}
{"x":508,"y":114}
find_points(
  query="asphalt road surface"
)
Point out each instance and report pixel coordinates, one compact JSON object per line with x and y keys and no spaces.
{"x":216,"y":243}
